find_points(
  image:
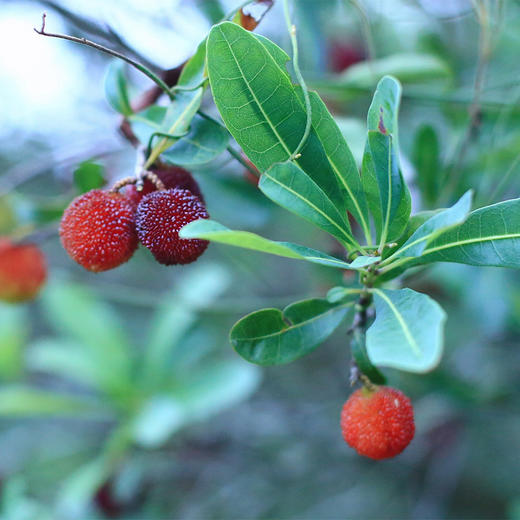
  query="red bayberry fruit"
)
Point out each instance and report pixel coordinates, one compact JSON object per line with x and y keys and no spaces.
{"x":343,"y":55}
{"x":160,"y":216}
{"x":378,"y":423}
{"x":98,"y":230}
{"x":172,"y":177}
{"x":23,"y":271}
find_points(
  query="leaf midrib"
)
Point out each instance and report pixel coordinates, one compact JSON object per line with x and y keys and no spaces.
{"x":470,"y":241}
{"x":402,"y":322}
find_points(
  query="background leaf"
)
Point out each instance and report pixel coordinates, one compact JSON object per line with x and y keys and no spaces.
{"x":205,"y":141}
{"x":116,"y":89}
{"x":408,"y":331}
{"x":88,"y":176}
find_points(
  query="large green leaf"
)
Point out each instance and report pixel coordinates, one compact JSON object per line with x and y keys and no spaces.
{"x":408,"y":331}
{"x":261,"y":107}
{"x":273,"y":337}
{"x":435,"y":226}
{"x":116,"y":89}
{"x":211,"y":230}
{"x":205,"y":141}
{"x":490,"y":236}
{"x":290,"y":187}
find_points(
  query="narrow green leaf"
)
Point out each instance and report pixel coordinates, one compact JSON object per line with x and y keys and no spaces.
{"x":394,"y":195}
{"x":116,"y":89}
{"x":290,"y":187}
{"x":88,"y":176}
{"x":260,"y":106}
{"x":435,"y":226}
{"x":194,"y":72}
{"x":408,"y":331}
{"x":387,"y":194}
{"x":384,"y":109}
{"x":407,"y":67}
{"x":211,"y":230}
{"x":205,"y":141}
{"x":490,"y":236}
{"x":19,"y":401}
{"x":273,"y":337}
{"x":426,"y":158}
{"x":341,"y":160}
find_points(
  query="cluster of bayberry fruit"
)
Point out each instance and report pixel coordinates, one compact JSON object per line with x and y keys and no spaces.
{"x":101,"y":230}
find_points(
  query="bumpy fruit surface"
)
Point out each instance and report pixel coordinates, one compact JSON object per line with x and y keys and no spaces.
{"x":23,"y":271}
{"x":172,"y":177}
{"x":98,"y":230}
{"x":160,"y":216}
{"x":378,"y":423}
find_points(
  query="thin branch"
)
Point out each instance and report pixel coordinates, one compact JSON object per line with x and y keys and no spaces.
{"x":292,"y":32}
{"x":83,"y":41}
{"x":243,"y":162}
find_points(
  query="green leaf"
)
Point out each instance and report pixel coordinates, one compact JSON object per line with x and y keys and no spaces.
{"x":78,"y":315}
{"x":88,"y":176}
{"x":490,"y":236}
{"x":261,"y":107}
{"x":13,"y":332}
{"x":205,"y":141}
{"x":386,"y":191}
{"x":291,"y":188}
{"x":384,"y":109}
{"x":198,"y":289}
{"x":435,"y":226}
{"x":19,"y":401}
{"x":194,"y":72}
{"x":394,"y":196}
{"x":341,"y":161}
{"x":426,"y":158}
{"x":116,"y":90}
{"x":408,"y":331}
{"x":407,"y":67}
{"x":273,"y":337}
{"x":211,"y":230}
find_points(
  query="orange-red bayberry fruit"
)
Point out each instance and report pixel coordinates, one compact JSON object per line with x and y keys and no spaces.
{"x":98,"y":230}
{"x":378,"y":423}
{"x":160,"y":216}
{"x":172,"y":177}
{"x":23,"y":271}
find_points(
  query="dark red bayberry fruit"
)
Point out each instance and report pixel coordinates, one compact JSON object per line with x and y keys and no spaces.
{"x":378,"y":423}
{"x":23,"y":271}
{"x":172,"y":177}
{"x":98,"y":230}
{"x":160,"y":216}
{"x":343,"y":55}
